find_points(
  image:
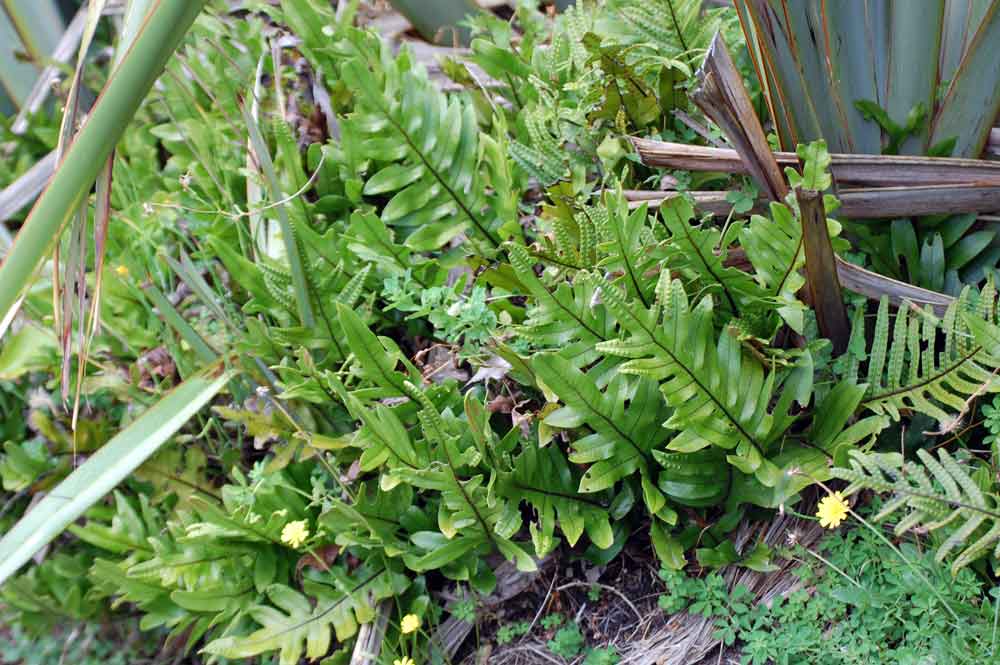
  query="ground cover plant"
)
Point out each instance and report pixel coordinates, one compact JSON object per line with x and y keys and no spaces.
{"x":347,"y":336}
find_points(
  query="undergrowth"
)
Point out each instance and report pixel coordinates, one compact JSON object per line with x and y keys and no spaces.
{"x":455,"y":341}
{"x":856,"y":601}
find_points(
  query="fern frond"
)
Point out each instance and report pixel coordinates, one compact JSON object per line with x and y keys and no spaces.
{"x":698,"y":252}
{"x":542,"y":478}
{"x":677,"y":345}
{"x":424,"y":144}
{"x":565,"y":317}
{"x":676,"y":29}
{"x":294,"y":627}
{"x":935,"y":495}
{"x":774,"y":247}
{"x":625,"y":419}
{"x":627,"y":241}
{"x":917,"y":370}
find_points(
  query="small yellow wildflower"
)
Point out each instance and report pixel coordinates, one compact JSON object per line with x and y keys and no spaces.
{"x":409,"y":624}
{"x":832,"y":510}
{"x":295,"y":533}
{"x":122,"y":271}
{"x":405,"y":660}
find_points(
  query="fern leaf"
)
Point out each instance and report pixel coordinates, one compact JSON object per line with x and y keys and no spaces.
{"x":427,"y":148}
{"x":542,"y":478}
{"x":625,"y":419}
{"x":563,"y":318}
{"x":774,"y":247}
{"x":917,"y":371}
{"x":295,"y":628}
{"x":700,"y":252}
{"x":698,"y":371}
{"x":936,"y":495}
{"x":627,"y":240}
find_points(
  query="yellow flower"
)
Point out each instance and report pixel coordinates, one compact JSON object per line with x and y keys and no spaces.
{"x":405,"y":660}
{"x":832,"y":510}
{"x":410,"y":623}
{"x":122,"y":271}
{"x":295,"y":533}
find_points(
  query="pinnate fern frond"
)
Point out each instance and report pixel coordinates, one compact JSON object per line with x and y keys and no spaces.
{"x":625,"y":247}
{"x":774,"y":247}
{"x":565,"y":317}
{"x":721,"y":396}
{"x":931,"y":366}
{"x":424,"y":146}
{"x":698,"y":252}
{"x":937,"y":495}
{"x":293,"y":626}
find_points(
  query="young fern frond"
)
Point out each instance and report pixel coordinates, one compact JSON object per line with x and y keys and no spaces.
{"x":936,"y":495}
{"x":774,"y":247}
{"x":626,"y":242}
{"x":544,"y":159}
{"x":931,"y":366}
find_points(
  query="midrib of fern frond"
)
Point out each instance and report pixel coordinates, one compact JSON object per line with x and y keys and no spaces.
{"x":578,"y":498}
{"x":709,"y":269}
{"x":790,"y":268}
{"x":487,"y":531}
{"x":915,"y":387}
{"x":517,"y":256}
{"x":318,"y":617}
{"x":677,"y":26}
{"x":559,"y":262}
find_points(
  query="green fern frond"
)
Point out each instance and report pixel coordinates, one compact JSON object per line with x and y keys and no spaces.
{"x":677,"y":345}
{"x":542,"y":478}
{"x":698,"y":252}
{"x":626,"y":243}
{"x":774,"y":248}
{"x":623,"y":435}
{"x":293,"y":626}
{"x":424,"y":145}
{"x":677,"y":29}
{"x":565,"y":317}
{"x":935,"y":495}
{"x":918,"y":370}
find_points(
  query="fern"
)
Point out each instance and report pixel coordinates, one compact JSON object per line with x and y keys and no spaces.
{"x":625,"y":419}
{"x":627,"y":240}
{"x":542,"y":478}
{"x":930,"y":365}
{"x":676,"y":30}
{"x":699,"y":253}
{"x":422,"y":145}
{"x":563,"y":318}
{"x":292,"y":625}
{"x":468,"y":520}
{"x":774,"y":247}
{"x":937,"y":494}
{"x":677,"y":345}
